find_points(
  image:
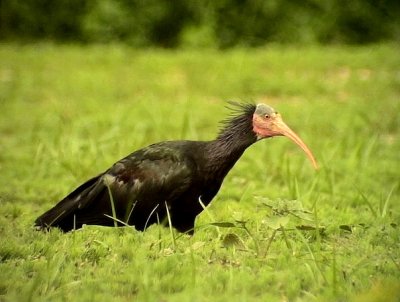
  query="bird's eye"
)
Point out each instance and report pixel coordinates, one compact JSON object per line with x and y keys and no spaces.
{"x":267,"y":116}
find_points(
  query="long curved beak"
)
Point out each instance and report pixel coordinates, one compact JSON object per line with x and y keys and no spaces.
{"x":282,"y":129}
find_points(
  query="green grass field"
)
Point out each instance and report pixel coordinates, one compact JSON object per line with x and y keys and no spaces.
{"x":277,"y":230}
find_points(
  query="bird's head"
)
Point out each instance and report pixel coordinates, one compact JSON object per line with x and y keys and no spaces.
{"x":267,"y":122}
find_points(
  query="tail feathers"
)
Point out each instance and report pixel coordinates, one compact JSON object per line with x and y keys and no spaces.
{"x":62,"y":214}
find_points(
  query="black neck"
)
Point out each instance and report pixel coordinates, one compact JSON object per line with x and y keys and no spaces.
{"x":234,"y":138}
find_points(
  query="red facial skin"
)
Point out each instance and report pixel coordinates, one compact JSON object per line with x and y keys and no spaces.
{"x":273,"y":125}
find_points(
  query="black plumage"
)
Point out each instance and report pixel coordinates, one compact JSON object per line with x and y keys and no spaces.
{"x":167,"y":178}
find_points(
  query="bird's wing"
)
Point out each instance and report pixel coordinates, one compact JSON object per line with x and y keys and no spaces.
{"x":151,"y":175}
{"x":58,"y":215}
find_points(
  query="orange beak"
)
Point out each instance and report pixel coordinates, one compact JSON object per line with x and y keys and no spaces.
{"x":275,"y":126}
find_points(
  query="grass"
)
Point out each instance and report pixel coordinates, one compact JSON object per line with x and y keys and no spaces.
{"x":277,"y":231}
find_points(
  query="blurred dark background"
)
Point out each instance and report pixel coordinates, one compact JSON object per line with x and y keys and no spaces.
{"x":197,"y":23}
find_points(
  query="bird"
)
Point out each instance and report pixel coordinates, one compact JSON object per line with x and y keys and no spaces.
{"x":168,"y":182}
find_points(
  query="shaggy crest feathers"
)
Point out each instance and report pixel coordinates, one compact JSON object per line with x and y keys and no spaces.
{"x":240,"y":119}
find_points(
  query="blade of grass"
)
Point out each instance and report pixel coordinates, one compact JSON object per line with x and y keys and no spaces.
{"x":116,"y":220}
{"x":132,"y":206}
{"x":365,"y":199}
{"x":316,"y":264}
{"x":270,"y":241}
{"x":288,"y":245}
{"x":316,"y":222}
{"x":386,"y":203}
{"x":208,"y":214}
{"x":170,"y":226}
{"x":151,"y":213}
{"x":114,"y":214}
{"x":256,"y":245}
{"x":334,"y":276}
